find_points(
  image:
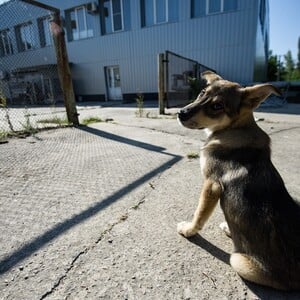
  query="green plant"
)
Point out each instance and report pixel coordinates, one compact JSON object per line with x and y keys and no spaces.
{"x":91,"y":120}
{"x":196,"y":86}
{"x":3,"y":104}
{"x":3,"y":135}
{"x":2,"y":100}
{"x":27,"y":126}
{"x":192,"y":155}
{"x":55,"y":120}
{"x":140,"y":104}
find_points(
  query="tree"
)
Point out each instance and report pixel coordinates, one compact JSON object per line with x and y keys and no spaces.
{"x":292,"y":72}
{"x":289,"y":65}
{"x":275,"y":67}
{"x":298,"y":62}
{"x":289,"y":70}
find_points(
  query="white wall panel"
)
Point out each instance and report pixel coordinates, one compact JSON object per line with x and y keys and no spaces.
{"x":225,"y":42}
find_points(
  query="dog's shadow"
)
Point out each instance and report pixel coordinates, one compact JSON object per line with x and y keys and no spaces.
{"x":263,"y":293}
{"x":210,"y":248}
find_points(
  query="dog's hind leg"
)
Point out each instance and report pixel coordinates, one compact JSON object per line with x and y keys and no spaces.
{"x":209,"y":197}
{"x":252,"y":270}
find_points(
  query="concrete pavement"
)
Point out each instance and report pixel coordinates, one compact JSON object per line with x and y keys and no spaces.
{"x":91,"y":212}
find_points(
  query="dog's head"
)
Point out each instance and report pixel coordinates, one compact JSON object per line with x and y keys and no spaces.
{"x":223,"y":103}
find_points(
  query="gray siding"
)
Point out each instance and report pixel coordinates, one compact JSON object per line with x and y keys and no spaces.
{"x":227,"y":42}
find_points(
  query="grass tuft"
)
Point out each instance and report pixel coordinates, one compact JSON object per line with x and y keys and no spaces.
{"x":91,"y":120}
{"x":55,"y":120}
{"x":192,"y":155}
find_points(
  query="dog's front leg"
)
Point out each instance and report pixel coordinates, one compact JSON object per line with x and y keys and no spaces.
{"x":209,"y":197}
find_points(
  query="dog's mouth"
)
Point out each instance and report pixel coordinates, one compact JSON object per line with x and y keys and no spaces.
{"x":184,"y":115}
{"x":188,"y":123}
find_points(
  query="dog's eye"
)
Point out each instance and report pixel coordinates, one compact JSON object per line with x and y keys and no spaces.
{"x":217,"y":106}
{"x":202,"y":92}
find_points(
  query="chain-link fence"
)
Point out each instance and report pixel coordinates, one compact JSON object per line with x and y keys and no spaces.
{"x":30,"y":92}
{"x":183,"y":79}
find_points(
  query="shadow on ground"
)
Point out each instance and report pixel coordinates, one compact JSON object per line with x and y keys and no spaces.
{"x":264,"y":293}
{"x":30,"y":247}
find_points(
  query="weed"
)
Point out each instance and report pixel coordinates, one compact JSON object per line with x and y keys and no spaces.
{"x":3,"y":135}
{"x":3,"y":104}
{"x":196,"y":85}
{"x":91,"y":120}
{"x":140,"y":104}
{"x":27,"y":126}
{"x":55,"y":120}
{"x":192,"y":155}
{"x":2,"y":100}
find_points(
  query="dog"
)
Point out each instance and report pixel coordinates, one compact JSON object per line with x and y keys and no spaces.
{"x":263,"y":220}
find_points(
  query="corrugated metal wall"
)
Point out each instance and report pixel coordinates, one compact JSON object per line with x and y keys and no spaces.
{"x":225,"y":42}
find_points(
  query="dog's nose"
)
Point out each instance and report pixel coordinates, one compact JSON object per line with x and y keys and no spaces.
{"x":183,"y":114}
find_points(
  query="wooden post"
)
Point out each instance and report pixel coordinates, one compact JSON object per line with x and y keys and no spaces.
{"x":63,"y":68}
{"x":161,"y":83}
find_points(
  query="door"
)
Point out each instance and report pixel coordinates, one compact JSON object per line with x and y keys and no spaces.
{"x":113,"y":83}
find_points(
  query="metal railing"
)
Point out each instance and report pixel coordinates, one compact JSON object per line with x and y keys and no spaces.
{"x":179,"y":79}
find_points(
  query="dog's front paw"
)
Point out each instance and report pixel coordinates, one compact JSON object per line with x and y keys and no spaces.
{"x":186,"y":229}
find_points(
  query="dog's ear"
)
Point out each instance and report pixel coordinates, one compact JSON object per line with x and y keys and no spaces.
{"x":252,"y":96}
{"x":210,"y":77}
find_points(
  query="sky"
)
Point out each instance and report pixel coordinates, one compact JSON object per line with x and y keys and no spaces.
{"x":284,"y":26}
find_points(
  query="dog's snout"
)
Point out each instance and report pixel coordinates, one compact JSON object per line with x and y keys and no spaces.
{"x":183,"y":114}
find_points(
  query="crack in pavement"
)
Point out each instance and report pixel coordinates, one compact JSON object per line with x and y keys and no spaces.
{"x":85,"y":251}
{"x":121,"y":219}
{"x":60,"y":279}
{"x":283,"y":130}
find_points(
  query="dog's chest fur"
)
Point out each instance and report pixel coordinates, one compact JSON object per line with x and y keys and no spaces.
{"x":202,"y":162}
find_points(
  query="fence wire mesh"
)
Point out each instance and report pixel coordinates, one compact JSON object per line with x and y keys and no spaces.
{"x":183,"y":79}
{"x":30,"y":92}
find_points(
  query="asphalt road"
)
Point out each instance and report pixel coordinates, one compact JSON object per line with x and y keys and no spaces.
{"x":91,"y":212}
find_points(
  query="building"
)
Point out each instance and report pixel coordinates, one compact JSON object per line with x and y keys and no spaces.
{"x":113,"y":44}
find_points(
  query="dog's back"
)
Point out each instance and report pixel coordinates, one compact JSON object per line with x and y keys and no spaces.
{"x":263,"y":219}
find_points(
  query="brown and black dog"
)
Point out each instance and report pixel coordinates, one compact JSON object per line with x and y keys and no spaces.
{"x":263,"y":219}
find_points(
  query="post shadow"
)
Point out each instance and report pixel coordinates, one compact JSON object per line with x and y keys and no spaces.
{"x":124,"y":140}
{"x":32,"y":246}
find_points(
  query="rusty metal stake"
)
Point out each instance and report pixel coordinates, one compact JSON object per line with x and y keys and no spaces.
{"x":63,"y":68}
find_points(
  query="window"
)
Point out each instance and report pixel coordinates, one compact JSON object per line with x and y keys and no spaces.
{"x":45,"y":32}
{"x":214,"y":6}
{"x":25,"y":37}
{"x":201,"y":8}
{"x":79,"y":23}
{"x":115,"y":15}
{"x":6,"y":47}
{"x":229,"y":5}
{"x":158,"y":11}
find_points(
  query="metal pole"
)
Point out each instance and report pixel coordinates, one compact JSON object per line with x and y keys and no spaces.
{"x":161,"y":83}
